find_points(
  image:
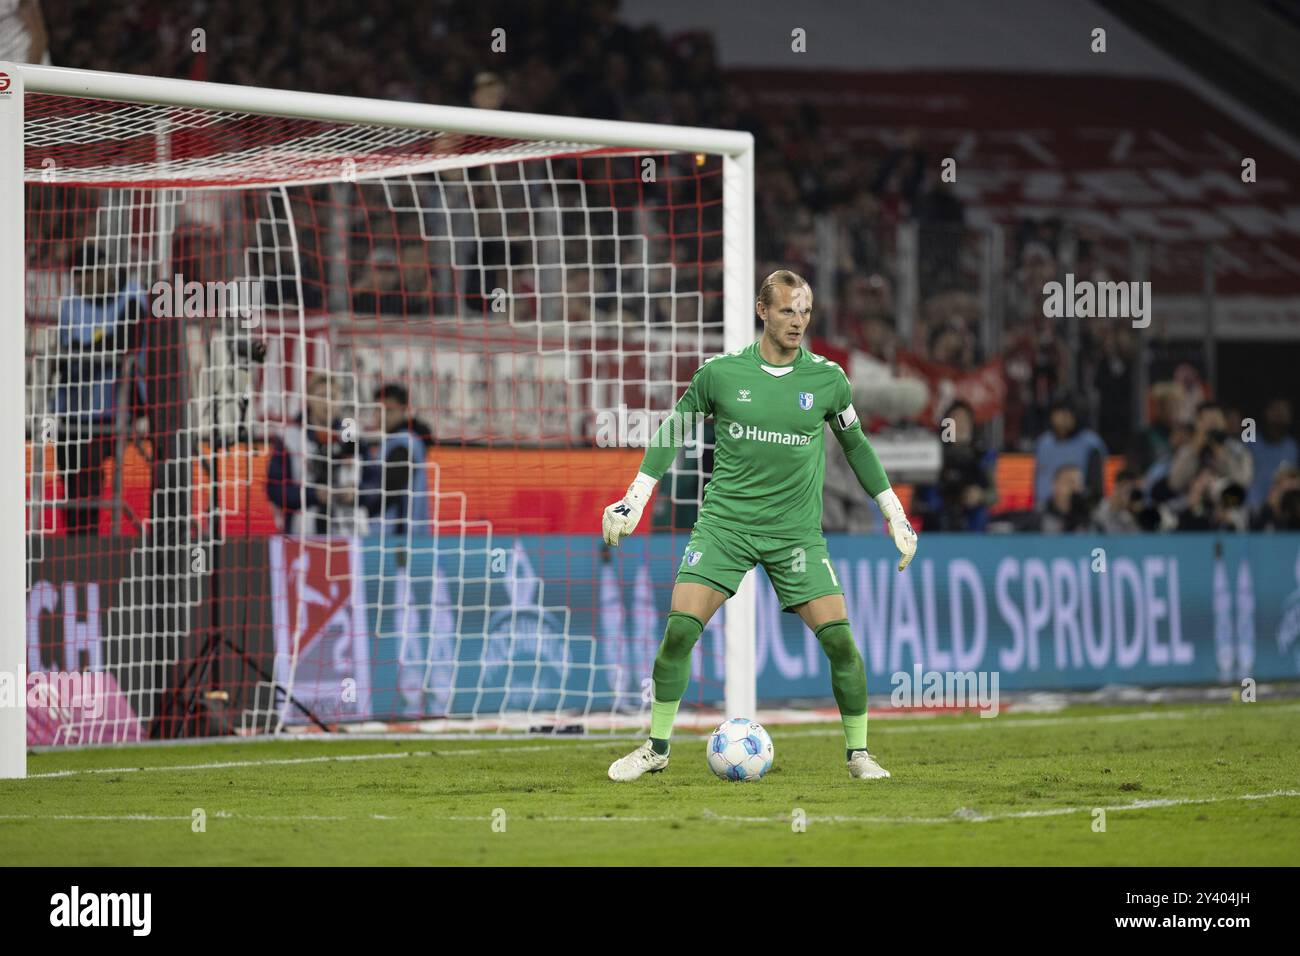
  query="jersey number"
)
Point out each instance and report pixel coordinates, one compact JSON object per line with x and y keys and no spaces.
{"x":834,"y":580}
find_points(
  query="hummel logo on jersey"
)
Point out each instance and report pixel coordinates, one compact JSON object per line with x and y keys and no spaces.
{"x":743,"y":395}
{"x":737,"y":430}
{"x":805,"y":400}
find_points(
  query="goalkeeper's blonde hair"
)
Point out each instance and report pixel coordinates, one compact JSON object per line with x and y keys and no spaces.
{"x":784,"y":277}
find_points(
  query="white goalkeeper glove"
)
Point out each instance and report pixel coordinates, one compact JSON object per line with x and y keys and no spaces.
{"x":621,"y":517}
{"x":900,"y":529}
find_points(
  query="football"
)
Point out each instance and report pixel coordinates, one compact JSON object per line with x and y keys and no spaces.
{"x":740,"y":749}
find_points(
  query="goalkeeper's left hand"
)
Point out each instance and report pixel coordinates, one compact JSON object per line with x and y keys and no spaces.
{"x":900,"y":529}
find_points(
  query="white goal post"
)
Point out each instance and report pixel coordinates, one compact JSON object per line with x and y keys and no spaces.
{"x":561,"y":137}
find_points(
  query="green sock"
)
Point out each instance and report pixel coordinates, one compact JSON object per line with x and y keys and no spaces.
{"x":662,"y":715}
{"x":672,"y":672}
{"x":855,"y":733}
{"x":848,"y":681}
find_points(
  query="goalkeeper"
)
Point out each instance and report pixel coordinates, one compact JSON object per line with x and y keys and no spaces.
{"x":763,"y":505}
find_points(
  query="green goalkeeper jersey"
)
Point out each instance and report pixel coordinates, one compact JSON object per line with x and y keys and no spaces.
{"x":769,"y":426}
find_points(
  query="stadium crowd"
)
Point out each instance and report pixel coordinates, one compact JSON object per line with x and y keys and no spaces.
{"x":1070,"y":402}
{"x":1183,"y":473}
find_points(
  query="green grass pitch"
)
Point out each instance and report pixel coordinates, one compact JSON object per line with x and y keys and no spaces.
{"x":1180,"y":784}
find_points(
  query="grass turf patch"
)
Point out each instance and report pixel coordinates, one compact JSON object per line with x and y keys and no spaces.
{"x":1210,"y":784}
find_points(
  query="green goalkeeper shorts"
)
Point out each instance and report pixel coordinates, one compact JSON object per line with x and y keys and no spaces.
{"x":799,"y":568}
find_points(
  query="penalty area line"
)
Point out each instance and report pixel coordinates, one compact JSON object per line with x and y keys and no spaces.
{"x":325,"y":758}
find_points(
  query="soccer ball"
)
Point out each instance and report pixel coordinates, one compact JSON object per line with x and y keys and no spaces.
{"x":740,"y":749}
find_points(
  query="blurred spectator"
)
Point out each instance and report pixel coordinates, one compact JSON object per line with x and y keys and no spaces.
{"x":1290,"y":510}
{"x":960,"y":499}
{"x":1066,"y":443}
{"x":1231,"y":513}
{"x":863,"y":241}
{"x":1210,"y":449}
{"x":942,"y":220}
{"x":1278,"y":513}
{"x":99,"y":323}
{"x":1049,"y":359}
{"x":950,"y":345}
{"x":395,"y":483}
{"x":1067,"y":505}
{"x":1272,"y":448}
{"x":489,"y":92}
{"x":940,"y":206}
{"x":1118,"y":512}
{"x":415,"y":279}
{"x":1195,"y":511}
{"x":1153,"y":442}
{"x":866,"y":316}
{"x":957,"y":313}
{"x":898,"y":180}
{"x":377,"y":288}
{"x":1191,"y":390}
{"x":312,"y":477}
{"x":398,"y":412}
{"x":1111,"y":381}
{"x":1156,"y":478}
{"x":22,"y":32}
{"x":1213,"y":503}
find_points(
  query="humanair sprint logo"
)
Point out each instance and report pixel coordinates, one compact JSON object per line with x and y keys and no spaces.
{"x":753,"y":433}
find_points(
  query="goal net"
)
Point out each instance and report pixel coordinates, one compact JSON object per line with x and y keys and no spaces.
{"x":324,"y":399}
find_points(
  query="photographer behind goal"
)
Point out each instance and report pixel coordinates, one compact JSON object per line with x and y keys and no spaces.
{"x":394,"y":482}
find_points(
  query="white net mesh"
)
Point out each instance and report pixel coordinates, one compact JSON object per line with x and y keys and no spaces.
{"x":322,"y":418}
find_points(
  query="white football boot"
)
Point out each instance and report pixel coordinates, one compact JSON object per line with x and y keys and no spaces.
{"x":862,"y":766}
{"x":640,"y":761}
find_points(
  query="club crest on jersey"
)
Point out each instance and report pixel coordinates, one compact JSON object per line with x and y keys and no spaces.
{"x":742,"y":395}
{"x":805,"y":400}
{"x":693,"y":557}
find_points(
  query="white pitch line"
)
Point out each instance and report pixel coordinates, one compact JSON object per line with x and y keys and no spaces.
{"x":883,"y":727}
{"x":154,"y":818}
{"x":290,"y":761}
{"x":979,"y":724}
{"x":121,"y":818}
{"x":955,"y":817}
{"x":783,"y":819}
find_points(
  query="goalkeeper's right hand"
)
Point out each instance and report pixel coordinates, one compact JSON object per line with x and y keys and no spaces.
{"x":621,"y":518}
